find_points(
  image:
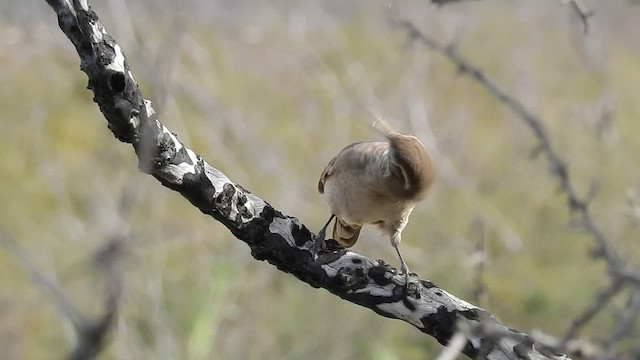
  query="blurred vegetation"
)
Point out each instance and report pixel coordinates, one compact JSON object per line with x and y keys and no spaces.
{"x":268,"y":94}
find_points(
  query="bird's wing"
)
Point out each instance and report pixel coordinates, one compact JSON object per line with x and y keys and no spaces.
{"x":330,"y":168}
{"x":345,"y":234}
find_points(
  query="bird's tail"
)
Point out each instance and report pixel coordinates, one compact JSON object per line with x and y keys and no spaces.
{"x":382,"y":126}
{"x":345,"y":234}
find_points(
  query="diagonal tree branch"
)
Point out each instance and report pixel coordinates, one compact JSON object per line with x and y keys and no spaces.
{"x":271,"y":235}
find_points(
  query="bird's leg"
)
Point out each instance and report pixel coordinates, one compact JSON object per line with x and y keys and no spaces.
{"x":404,"y":269}
{"x":322,"y":233}
{"x":318,"y":242}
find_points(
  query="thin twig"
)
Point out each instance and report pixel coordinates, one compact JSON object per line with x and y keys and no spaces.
{"x":58,"y":297}
{"x":479,"y":257}
{"x":90,"y":334}
{"x":626,"y":320}
{"x":558,"y":168}
{"x":598,"y":303}
{"x":454,"y":348}
{"x":582,"y":12}
{"x":93,"y":333}
{"x":618,"y":271}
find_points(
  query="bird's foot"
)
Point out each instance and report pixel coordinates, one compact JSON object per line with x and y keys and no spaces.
{"x":318,"y":244}
{"x":408,"y":284}
{"x":407,"y":279}
{"x":321,"y":235}
{"x":404,"y":269}
{"x":410,"y":287}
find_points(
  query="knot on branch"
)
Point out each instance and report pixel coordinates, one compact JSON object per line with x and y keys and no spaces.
{"x":117,"y":82}
{"x":352,"y":278}
{"x":153,"y":154}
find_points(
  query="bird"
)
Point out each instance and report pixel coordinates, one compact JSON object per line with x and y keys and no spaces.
{"x":376,"y":182}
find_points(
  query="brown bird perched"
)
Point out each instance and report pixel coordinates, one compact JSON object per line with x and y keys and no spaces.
{"x":376,"y":182}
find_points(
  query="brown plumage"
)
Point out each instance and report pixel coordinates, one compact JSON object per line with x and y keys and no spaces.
{"x":376,"y":182}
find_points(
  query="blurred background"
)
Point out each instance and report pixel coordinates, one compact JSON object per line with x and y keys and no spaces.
{"x":269,"y":92}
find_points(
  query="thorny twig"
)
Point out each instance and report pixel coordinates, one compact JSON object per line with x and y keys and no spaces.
{"x":618,"y":271}
{"x":558,"y":168}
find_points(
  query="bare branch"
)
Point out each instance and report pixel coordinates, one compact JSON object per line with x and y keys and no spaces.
{"x":271,"y":235}
{"x":557,"y":166}
{"x":90,"y":334}
{"x":619,"y":272}
{"x":58,"y":297}
{"x":626,"y":320}
{"x":582,"y":12}
{"x":598,"y":303}
{"x":579,"y":349}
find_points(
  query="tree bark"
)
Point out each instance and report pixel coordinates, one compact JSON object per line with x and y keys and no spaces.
{"x":272,"y":236}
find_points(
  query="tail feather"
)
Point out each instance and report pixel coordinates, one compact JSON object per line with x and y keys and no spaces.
{"x":346,"y":235}
{"x":381,"y":126}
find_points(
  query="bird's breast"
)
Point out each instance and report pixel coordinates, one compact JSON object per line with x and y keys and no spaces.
{"x":356,"y":201}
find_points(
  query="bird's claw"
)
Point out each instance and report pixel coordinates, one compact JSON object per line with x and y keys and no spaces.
{"x":407,"y":277}
{"x":318,"y":241}
{"x":410,"y":287}
{"x":318,"y":245}
{"x":321,"y":235}
{"x":404,"y":270}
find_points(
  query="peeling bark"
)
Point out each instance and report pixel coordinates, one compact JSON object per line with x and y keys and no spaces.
{"x":272,"y":236}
